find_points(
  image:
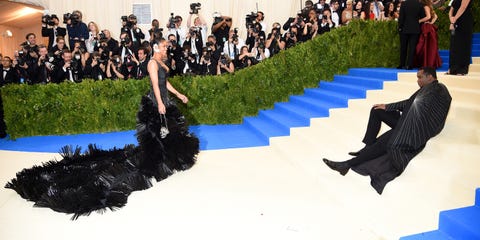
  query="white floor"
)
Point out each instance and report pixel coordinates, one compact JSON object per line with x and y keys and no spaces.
{"x":283,"y":191}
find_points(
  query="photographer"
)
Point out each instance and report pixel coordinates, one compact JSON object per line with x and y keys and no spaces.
{"x":221,"y":28}
{"x":141,"y":63}
{"x":311,"y":27}
{"x":191,"y":66}
{"x":96,"y":67}
{"x":216,"y":51}
{"x":326,"y":23}
{"x":134,"y":33}
{"x":31,"y":42}
{"x":93,"y":41}
{"x":9,"y":73}
{"x":199,"y":23}
{"x":259,"y":19}
{"x":207,"y":65}
{"x":80,"y":54}
{"x":25,"y":60}
{"x":109,"y":43}
{"x":259,"y":51}
{"x":175,"y":54}
{"x":233,"y":45}
{"x":175,"y":27}
{"x":77,"y":30}
{"x":254,"y":33}
{"x":244,"y":59}
{"x":45,"y":64}
{"x":68,"y":69}
{"x":155,"y":32}
{"x":274,"y":42}
{"x":125,"y":48}
{"x":292,"y":37}
{"x":336,"y":12}
{"x":52,"y":30}
{"x":56,"y":50}
{"x":225,"y":65}
{"x":115,"y":68}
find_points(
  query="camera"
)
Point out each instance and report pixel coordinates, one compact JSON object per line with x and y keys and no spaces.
{"x":250,"y":19}
{"x":125,"y":41}
{"x":47,"y":19}
{"x":235,"y":35}
{"x":129,"y":21}
{"x":103,"y":57}
{"x":102,"y":36}
{"x":194,"y":7}
{"x":223,"y":59}
{"x":73,"y":17}
{"x":156,"y":32}
{"x":172,"y":21}
{"x":195,"y":31}
{"x":261,"y":43}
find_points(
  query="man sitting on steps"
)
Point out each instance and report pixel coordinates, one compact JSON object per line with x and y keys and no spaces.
{"x":413,"y":121}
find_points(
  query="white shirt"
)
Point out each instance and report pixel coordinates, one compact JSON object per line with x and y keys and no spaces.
{"x":228,"y":48}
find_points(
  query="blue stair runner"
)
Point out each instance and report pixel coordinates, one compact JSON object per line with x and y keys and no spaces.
{"x":459,"y":224}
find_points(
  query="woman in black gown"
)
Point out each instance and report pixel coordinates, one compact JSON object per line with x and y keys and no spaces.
{"x":101,"y":179}
{"x":461,"y":26}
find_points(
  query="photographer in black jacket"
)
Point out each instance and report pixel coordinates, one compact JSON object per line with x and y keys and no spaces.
{"x":52,"y":30}
{"x":135,"y":34}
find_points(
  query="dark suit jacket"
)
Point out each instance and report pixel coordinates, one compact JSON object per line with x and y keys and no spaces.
{"x":49,"y":32}
{"x":11,"y":77}
{"x":59,"y":74}
{"x":410,"y":12}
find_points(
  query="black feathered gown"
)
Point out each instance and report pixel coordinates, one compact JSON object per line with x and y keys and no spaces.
{"x":103,"y":179}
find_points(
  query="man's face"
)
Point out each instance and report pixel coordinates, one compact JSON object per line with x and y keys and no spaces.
{"x":32,"y":40}
{"x":141,"y":55}
{"x":67,"y":56}
{"x":6,"y":62}
{"x":423,"y":79}
{"x":42,"y":51}
{"x":259,"y":17}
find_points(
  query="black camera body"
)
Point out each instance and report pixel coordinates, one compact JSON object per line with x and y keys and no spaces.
{"x":125,"y":41}
{"x":194,"y":7}
{"x":172,"y":21}
{"x":235,"y":35}
{"x":47,"y":19}
{"x":102,"y":36}
{"x":73,"y":17}
{"x":223,"y":59}
{"x":251,"y":19}
{"x":195,"y":31}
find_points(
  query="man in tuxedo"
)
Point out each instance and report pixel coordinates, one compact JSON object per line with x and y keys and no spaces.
{"x":141,"y":63}
{"x":53,"y":32}
{"x":409,"y":28}
{"x":9,"y":73}
{"x":68,"y":70}
{"x":413,"y":121}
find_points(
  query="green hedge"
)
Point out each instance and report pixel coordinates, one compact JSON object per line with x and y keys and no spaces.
{"x":103,"y":106}
{"x":69,"y":108}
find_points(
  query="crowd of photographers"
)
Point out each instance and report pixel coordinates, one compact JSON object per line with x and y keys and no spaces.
{"x":89,"y":52}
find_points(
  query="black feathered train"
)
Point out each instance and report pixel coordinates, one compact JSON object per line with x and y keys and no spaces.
{"x":103,"y":179}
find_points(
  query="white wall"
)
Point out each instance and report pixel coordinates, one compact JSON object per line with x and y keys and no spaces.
{"x":106,"y":13}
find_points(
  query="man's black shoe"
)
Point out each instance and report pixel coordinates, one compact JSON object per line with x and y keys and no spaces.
{"x":355,"y":153}
{"x":341,"y":167}
{"x":400,"y":67}
{"x":408,"y":68}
